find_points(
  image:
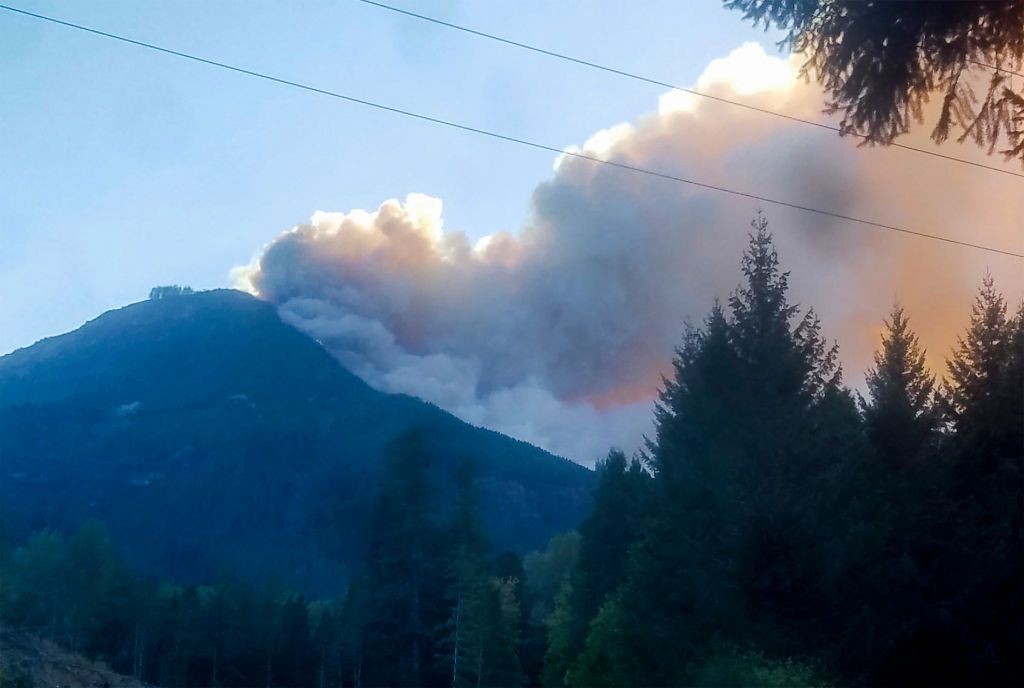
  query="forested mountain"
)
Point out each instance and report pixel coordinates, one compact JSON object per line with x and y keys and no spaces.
{"x":210,"y":437}
{"x":778,"y":530}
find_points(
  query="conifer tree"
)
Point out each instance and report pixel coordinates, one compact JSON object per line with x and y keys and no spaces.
{"x":608,"y":659}
{"x":979,"y":367}
{"x":1011,"y":391}
{"x":748,"y":433}
{"x":465,"y":584}
{"x":786,"y":424}
{"x":353,"y":630}
{"x":900,"y":414}
{"x":404,"y":572}
{"x":984,"y":399}
{"x":498,"y":663}
{"x":615,"y":523}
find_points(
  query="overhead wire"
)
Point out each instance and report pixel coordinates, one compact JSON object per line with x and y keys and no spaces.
{"x":675,"y":87}
{"x":507,"y":138}
{"x":995,"y":68}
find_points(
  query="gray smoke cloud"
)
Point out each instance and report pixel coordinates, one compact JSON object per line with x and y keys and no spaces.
{"x":559,"y":334}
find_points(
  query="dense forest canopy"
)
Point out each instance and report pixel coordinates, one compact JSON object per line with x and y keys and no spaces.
{"x":880,"y":62}
{"x":780,"y":529}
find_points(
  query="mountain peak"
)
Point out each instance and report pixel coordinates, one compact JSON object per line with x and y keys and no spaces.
{"x":185,"y":347}
{"x":240,"y":442}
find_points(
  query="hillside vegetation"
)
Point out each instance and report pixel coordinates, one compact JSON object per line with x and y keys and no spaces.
{"x":211,"y":438}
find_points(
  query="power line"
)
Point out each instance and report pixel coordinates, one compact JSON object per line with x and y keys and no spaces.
{"x":674,"y":87}
{"x":503,"y":137}
{"x":986,"y":65}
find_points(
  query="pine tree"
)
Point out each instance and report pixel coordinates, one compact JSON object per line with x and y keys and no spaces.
{"x":466,"y":579}
{"x":694,"y":407}
{"x":1011,"y":391}
{"x":355,"y":616}
{"x":498,"y":663}
{"x":785,"y":366}
{"x":479,"y":643}
{"x":784,"y":424}
{"x":679,"y":586}
{"x":978,"y":370}
{"x":749,"y":432}
{"x":984,"y":399}
{"x":616,"y":522}
{"x":545,"y":604}
{"x":403,"y":568}
{"x":892,"y":503}
{"x":900,"y":414}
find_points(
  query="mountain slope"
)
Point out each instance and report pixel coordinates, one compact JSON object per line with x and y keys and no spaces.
{"x":27,"y":660}
{"x":211,"y":437}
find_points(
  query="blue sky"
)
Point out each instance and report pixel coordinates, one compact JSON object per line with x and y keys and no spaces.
{"x":123,"y":169}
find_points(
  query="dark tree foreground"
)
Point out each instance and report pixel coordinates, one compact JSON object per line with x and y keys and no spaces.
{"x":779,"y":530}
{"x":797,"y":535}
{"x":433,"y":606}
{"x":880,"y":62}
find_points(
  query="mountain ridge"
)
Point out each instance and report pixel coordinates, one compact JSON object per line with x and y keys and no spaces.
{"x":206,"y":409}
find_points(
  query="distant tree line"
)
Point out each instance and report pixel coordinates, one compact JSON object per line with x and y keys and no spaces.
{"x":778,"y":530}
{"x":432,"y":607}
{"x":77,"y":592}
{"x":169,"y":290}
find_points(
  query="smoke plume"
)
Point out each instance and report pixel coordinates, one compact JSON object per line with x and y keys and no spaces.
{"x":559,"y":334}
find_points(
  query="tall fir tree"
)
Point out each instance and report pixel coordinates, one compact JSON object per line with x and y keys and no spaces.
{"x":747,"y":432}
{"x":498,"y":663}
{"x":616,"y":522}
{"x":984,"y":400}
{"x":1011,"y":389}
{"x":892,"y":521}
{"x":979,"y":383}
{"x":792,"y":421}
{"x":465,"y":581}
{"x":404,"y":571}
{"x":900,"y":414}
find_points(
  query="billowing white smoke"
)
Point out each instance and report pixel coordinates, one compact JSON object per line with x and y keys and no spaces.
{"x":558,"y":335}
